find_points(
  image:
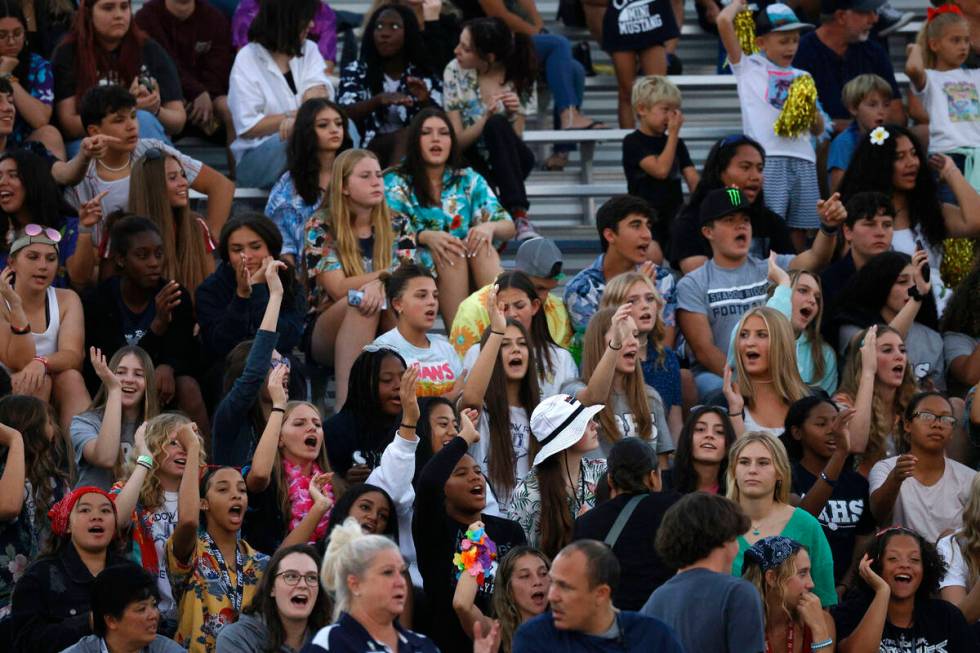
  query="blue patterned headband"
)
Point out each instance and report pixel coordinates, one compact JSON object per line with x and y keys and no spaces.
{"x":770,"y":552}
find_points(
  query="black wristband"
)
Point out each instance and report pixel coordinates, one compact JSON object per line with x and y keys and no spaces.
{"x":403,"y":425}
{"x":496,"y":333}
{"x":826,"y":479}
{"x":276,"y":409}
{"x":615,"y":348}
{"x":914,"y":294}
{"x":22,"y":331}
{"x":830,"y":231}
{"x":738,"y":414}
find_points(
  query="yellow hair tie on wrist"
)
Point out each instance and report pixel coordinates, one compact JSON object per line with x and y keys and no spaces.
{"x":800,"y":109}
{"x":745,"y":31}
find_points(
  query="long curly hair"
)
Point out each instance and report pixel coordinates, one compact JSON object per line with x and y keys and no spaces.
{"x":151,"y":404}
{"x":933,"y":567}
{"x":968,"y":537}
{"x":413,"y":49}
{"x":303,"y":148}
{"x":633,"y":386}
{"x":49,"y":462}
{"x":504,"y":606}
{"x":880,"y":429}
{"x":185,"y":246}
{"x":685,"y":478}
{"x":872,"y":169}
{"x":615,"y":295}
{"x":502,"y":467}
{"x":159,"y":433}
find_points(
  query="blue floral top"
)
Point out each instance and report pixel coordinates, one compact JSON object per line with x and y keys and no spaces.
{"x":354,"y":88}
{"x":663,"y":375}
{"x":40,"y":84}
{"x":467,"y":200}
{"x":288,"y":210}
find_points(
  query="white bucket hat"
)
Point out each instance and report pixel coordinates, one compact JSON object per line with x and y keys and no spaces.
{"x":558,"y":423}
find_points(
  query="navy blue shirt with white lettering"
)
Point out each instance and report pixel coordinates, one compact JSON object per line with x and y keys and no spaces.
{"x":846,"y":515}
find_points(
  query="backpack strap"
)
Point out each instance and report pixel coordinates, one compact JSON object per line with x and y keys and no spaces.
{"x":624,"y":516}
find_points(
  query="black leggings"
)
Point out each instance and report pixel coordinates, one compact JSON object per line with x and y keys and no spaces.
{"x":510,"y":162}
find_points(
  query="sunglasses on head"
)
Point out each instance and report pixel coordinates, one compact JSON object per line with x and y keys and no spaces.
{"x":34,"y":230}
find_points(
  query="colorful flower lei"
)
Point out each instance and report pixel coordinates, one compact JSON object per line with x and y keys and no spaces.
{"x":476,"y":555}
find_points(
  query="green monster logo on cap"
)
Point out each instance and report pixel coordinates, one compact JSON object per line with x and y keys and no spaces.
{"x":734,"y":196}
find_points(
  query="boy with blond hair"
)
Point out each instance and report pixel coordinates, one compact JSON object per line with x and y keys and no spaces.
{"x":867,"y":98}
{"x":655,"y":157}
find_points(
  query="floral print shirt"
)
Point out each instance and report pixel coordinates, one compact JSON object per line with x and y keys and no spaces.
{"x":205,"y":605}
{"x":354,"y":88}
{"x":40,"y":84}
{"x":467,"y":200}
{"x":290,"y":212}
{"x":525,"y":502}
{"x":320,"y":252}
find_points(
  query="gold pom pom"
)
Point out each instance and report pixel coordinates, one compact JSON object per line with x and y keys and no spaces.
{"x":800,"y":109}
{"x":745,"y":31}
{"x":957,"y":260}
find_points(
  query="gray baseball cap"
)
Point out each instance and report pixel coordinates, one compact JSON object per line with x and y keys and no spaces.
{"x":539,"y":257}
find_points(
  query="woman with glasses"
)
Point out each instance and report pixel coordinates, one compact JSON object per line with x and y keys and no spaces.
{"x":48,"y":368}
{"x":30,"y":76}
{"x":390,"y":83}
{"x":288,"y":608}
{"x":922,"y":489}
{"x":142,"y":306}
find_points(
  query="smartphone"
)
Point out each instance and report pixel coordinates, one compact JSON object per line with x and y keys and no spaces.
{"x":146,"y":79}
{"x":356,"y":297}
{"x":926,"y":270}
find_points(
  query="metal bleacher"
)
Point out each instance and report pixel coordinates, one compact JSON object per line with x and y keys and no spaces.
{"x":563,"y":203}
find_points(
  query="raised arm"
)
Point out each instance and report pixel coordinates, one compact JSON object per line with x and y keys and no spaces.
{"x":963,"y":218}
{"x":18,"y":348}
{"x":260,"y":471}
{"x":188,"y":498}
{"x":464,"y":600}
{"x":915,"y":66}
{"x":866,"y":638}
{"x":832,"y":215}
{"x":129,"y":494}
{"x":103,"y":451}
{"x":599,"y":385}
{"x":903,"y":320}
{"x":726,"y":30}
{"x":14,"y":474}
{"x":819,"y":493}
{"x":397,"y":466}
{"x":860,"y":425}
{"x":479,"y":377}
{"x":220,"y":191}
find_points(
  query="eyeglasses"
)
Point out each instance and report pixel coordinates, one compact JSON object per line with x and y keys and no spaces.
{"x":34,"y":230}
{"x":12,"y":37}
{"x":929,"y":418}
{"x":291,"y":578}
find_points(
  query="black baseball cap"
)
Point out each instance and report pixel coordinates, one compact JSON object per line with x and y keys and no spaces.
{"x":722,"y":202}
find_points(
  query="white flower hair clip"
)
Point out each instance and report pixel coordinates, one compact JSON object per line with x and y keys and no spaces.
{"x":879,"y":135}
